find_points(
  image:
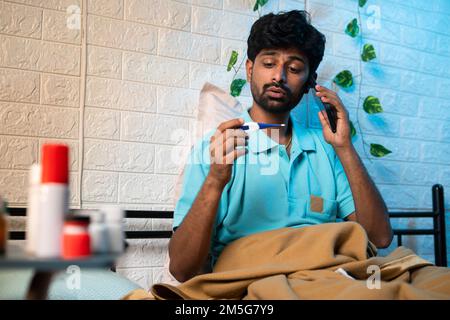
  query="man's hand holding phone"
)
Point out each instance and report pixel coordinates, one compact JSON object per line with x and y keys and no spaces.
{"x":342,"y":137}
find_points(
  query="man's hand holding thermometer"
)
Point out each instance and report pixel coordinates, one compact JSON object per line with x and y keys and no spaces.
{"x":224,"y":145}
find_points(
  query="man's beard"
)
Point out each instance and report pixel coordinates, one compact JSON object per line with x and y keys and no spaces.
{"x":275,"y":105}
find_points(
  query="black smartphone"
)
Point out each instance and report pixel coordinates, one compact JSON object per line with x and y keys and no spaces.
{"x":329,"y":109}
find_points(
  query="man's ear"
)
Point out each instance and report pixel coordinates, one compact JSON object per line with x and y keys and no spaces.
{"x":249,"y":69}
{"x":310,"y":82}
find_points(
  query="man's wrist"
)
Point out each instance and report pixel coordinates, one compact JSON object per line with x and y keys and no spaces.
{"x":214,"y":183}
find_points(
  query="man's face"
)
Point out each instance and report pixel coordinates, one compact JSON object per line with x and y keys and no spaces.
{"x":277,"y":78}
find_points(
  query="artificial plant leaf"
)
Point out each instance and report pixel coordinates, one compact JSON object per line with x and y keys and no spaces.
{"x":352,"y":28}
{"x":233,"y":60}
{"x":377,"y":150}
{"x":259,"y":4}
{"x":372,"y":105}
{"x":368,"y":52}
{"x":344,"y":79}
{"x":236,"y":87}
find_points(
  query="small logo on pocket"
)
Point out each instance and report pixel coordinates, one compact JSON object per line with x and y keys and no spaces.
{"x":316,"y":204}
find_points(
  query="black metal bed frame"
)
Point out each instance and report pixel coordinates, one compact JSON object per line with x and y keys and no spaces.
{"x":437,"y":214}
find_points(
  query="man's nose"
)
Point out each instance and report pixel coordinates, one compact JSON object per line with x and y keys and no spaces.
{"x":279,"y":75}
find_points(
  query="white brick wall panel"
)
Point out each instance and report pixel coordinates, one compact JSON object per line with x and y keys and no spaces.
{"x":124,"y":95}
{"x":27,"y":91}
{"x":170,"y":159}
{"x":124,"y":35}
{"x":225,"y":24}
{"x":200,"y":73}
{"x":17,"y":153}
{"x":154,"y":128}
{"x":146,"y":188}
{"x":57,"y":27}
{"x":177,"y":101}
{"x":104,"y":62}
{"x":60,"y":5}
{"x":217,"y":4}
{"x":100,"y":186}
{"x":185,"y":45}
{"x":102,"y":123}
{"x":107,"y":8}
{"x":435,"y":152}
{"x":40,"y":121}
{"x":166,"y":13}
{"x":154,"y":69}
{"x":60,"y":90}
{"x":20,"y":20}
{"x":35,"y":55}
{"x":117,"y":156}
{"x":13,"y":186}
{"x":418,"y":128}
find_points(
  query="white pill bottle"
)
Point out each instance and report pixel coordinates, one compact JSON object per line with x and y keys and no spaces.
{"x":54,"y":199}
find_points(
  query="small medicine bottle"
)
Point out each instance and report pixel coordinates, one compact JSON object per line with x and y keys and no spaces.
{"x":76,"y":241}
{"x":98,"y":233}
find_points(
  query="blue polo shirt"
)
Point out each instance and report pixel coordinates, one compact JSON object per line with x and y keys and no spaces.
{"x":268,"y":189}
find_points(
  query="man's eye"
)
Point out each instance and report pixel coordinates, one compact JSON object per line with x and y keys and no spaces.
{"x":294,"y":70}
{"x":268,"y":65}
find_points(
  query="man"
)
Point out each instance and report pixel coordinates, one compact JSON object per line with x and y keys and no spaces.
{"x":319,"y":177}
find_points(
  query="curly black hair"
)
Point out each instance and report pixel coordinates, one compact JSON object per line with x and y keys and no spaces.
{"x":287,"y":30}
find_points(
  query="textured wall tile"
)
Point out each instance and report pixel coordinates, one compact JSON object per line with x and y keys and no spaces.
{"x":119,"y":34}
{"x":56,"y":27}
{"x":100,"y":186}
{"x":107,"y":8}
{"x":154,"y":128}
{"x":167,"y":13}
{"x":148,"y":188}
{"x":17,"y":153}
{"x":59,"y":90}
{"x":123,"y":95}
{"x":20,"y":86}
{"x":20,"y":20}
{"x":177,"y":101}
{"x":35,"y":55}
{"x":104,"y":62}
{"x":38,"y":121}
{"x":185,"y":45}
{"x":119,"y":156}
{"x":61,"y":5}
{"x":102,"y":123}
{"x":153,"y":69}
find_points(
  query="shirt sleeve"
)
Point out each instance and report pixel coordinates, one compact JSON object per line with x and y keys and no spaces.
{"x":195,"y":172}
{"x":346,"y":205}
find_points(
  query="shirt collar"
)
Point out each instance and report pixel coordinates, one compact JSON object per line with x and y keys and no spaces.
{"x":258,"y":141}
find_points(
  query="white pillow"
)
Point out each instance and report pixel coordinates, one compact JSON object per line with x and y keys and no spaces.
{"x":214,"y":107}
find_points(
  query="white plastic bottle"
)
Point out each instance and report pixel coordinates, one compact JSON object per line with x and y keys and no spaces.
{"x":54,"y":199}
{"x":32,"y":226}
{"x":99,"y":233}
{"x":114,"y":223}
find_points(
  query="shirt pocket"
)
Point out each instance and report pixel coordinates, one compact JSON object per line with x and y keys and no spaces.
{"x":327,"y":214}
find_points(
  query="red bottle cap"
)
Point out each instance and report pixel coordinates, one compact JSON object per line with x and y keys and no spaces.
{"x":55,"y":163}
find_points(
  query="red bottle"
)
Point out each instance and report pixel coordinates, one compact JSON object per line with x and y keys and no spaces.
{"x":76,"y":242}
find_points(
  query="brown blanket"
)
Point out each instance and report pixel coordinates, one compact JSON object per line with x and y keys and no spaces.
{"x":301,"y":263}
